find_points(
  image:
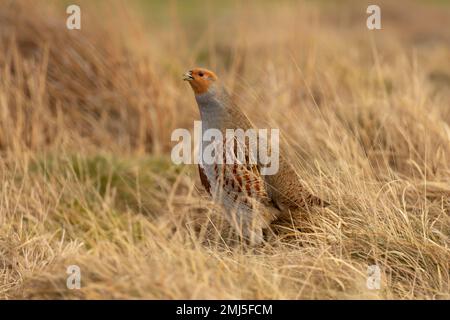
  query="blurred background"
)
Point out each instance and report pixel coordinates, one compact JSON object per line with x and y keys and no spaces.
{"x":116,"y":82}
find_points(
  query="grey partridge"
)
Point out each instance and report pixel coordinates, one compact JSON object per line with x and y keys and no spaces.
{"x":251,"y":200}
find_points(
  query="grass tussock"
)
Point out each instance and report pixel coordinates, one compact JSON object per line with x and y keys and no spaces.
{"x":86,"y":175}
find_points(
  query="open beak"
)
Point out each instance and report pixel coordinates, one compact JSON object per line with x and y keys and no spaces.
{"x":188,"y":76}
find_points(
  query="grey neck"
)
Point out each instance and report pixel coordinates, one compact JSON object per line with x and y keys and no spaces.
{"x":212,"y":106}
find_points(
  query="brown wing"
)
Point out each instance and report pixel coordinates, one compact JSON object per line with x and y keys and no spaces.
{"x":287,"y":191}
{"x":284,"y":188}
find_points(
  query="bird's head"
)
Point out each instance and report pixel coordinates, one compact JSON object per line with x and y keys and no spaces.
{"x":200,"y":79}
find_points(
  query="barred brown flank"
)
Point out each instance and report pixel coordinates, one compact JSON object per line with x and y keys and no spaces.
{"x":204,"y":179}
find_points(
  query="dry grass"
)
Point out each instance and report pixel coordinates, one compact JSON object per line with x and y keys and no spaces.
{"x":86,"y":177}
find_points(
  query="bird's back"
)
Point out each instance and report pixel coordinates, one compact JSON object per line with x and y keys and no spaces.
{"x":284,"y":187}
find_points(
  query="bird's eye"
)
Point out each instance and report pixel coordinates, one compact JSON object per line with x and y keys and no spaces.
{"x":200,"y":74}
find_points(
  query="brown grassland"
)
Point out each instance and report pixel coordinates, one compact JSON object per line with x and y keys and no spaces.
{"x":86,"y":177}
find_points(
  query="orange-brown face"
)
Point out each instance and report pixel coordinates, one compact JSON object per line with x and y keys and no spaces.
{"x":200,"y":79}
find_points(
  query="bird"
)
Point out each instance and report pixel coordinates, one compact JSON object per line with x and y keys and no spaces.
{"x":252,"y":201}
